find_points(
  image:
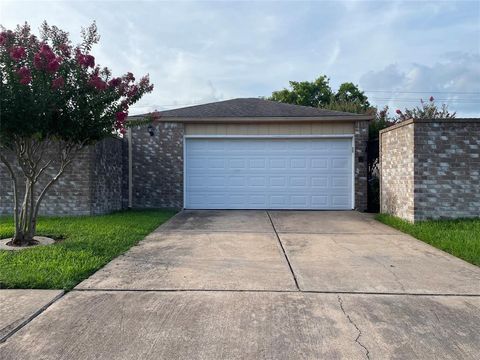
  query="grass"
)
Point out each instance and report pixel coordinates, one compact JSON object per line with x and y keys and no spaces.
{"x":89,"y":242}
{"x":460,"y":238}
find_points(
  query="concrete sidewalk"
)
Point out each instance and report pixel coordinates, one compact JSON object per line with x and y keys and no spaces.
{"x":18,"y":307}
{"x":275,"y":285}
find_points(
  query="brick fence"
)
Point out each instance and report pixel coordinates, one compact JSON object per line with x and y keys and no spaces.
{"x":93,"y":184}
{"x":430,"y":169}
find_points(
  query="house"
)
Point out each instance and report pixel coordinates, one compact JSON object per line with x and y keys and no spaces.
{"x":234,"y":154}
{"x":249,"y":154}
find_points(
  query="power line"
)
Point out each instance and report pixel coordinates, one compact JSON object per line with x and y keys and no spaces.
{"x":425,"y":92}
{"x":460,"y":101}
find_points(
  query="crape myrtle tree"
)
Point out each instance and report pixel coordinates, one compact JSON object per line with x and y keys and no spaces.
{"x":54,"y":101}
{"x":426,"y":110}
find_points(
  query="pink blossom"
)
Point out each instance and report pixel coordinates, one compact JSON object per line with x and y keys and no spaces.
{"x":155,"y":116}
{"x":123,"y":131}
{"x":45,"y":59}
{"x":90,"y":60}
{"x":53,"y":65}
{"x":132,"y":91}
{"x":26,"y":80}
{"x":115,"y":82}
{"x":25,"y":75}
{"x":398,"y":111}
{"x":6,"y":36}
{"x":121,"y":117}
{"x":97,"y":82}
{"x":64,"y":49}
{"x":17,"y":53}
{"x":130,"y":77}
{"x":431,"y":98}
{"x":47,"y":53}
{"x":58,"y":82}
{"x":3,"y":38}
{"x":144,"y":81}
{"x":38,"y":61}
{"x":85,"y":60}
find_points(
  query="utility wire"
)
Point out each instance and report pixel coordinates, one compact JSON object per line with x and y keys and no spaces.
{"x":424,"y":92}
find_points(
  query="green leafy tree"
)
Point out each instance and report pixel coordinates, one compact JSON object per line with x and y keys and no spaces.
{"x":54,"y":101}
{"x":308,"y":93}
{"x":350,"y":93}
{"x":318,"y":93}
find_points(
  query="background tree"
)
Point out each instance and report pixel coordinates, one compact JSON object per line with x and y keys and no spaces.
{"x":318,"y":93}
{"x":54,"y":101}
{"x":350,"y":93}
{"x":315,"y":93}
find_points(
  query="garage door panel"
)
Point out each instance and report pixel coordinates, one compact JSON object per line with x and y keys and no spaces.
{"x":268,"y":173}
{"x":340,"y":163}
{"x":340,"y":200}
{"x":319,"y":163}
{"x":277,"y":181}
{"x":319,"y":181}
{"x":320,"y":201}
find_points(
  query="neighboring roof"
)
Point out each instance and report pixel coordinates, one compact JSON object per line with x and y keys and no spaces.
{"x":253,"y":109}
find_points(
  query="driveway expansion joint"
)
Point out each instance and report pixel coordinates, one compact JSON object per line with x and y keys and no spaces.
{"x":357,"y":339}
{"x":30,"y":318}
{"x":284,"y":252}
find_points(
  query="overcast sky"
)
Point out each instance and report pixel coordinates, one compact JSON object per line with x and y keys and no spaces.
{"x":198,"y":52}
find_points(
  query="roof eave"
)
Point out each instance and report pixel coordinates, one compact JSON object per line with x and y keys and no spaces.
{"x":270,"y":119}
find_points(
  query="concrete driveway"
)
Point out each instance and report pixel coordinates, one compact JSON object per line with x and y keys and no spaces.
{"x":273,"y":285}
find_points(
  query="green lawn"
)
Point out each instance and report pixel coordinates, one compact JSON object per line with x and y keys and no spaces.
{"x":457,"y":237}
{"x":89,"y":242}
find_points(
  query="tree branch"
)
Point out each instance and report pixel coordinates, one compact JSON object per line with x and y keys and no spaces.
{"x":68,"y":153}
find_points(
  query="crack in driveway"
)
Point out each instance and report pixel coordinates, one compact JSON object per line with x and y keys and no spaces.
{"x":284,"y":252}
{"x":357,"y":339}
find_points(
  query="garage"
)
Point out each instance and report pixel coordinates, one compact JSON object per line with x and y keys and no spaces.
{"x":269,"y":173}
{"x":249,"y":153}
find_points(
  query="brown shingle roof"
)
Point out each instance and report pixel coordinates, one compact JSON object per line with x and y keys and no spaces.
{"x":253,"y":108}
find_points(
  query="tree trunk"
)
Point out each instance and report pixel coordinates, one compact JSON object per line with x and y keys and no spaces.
{"x":29,"y":155}
{"x":25,"y":226}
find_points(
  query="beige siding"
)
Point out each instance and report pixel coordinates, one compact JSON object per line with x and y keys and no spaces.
{"x":326,"y":128}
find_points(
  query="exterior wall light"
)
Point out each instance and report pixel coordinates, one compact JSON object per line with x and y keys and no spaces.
{"x":151,"y":130}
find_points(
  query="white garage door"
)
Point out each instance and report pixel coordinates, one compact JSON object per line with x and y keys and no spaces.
{"x":279,"y":173}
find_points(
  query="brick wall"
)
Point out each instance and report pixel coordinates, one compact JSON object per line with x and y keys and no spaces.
{"x":361,"y":165}
{"x":444,"y":168}
{"x":107,"y":187}
{"x":91,"y":185}
{"x":447,"y":169}
{"x":157,"y":171}
{"x":396,"y":172}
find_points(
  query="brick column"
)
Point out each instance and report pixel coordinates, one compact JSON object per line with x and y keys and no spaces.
{"x":361,"y":166}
